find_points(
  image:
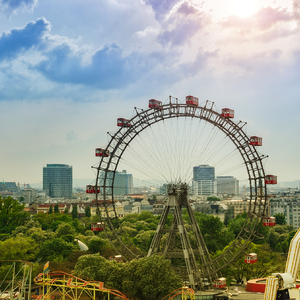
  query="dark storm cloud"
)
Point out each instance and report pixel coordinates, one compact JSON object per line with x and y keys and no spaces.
{"x":20,"y":40}
{"x":10,"y":6}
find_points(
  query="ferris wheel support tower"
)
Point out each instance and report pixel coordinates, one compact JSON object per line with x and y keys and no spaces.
{"x":177,"y":198}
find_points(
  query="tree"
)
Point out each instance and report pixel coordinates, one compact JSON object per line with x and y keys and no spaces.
{"x":56,"y":249}
{"x":213,"y":198}
{"x":280,"y":219}
{"x":66,"y":211}
{"x":75,"y":212}
{"x":150,"y":277}
{"x":87,"y":212}
{"x":96,"y":267}
{"x":50,"y":210}
{"x":12,"y":214}
{"x":19,"y":248}
{"x":66,"y":231}
{"x":56,"y":208}
{"x":147,"y":277}
{"x":267,"y":262}
{"x":96,"y":245}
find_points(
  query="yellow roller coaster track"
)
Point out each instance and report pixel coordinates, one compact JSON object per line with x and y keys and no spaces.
{"x":63,"y":286}
{"x":185,"y":292}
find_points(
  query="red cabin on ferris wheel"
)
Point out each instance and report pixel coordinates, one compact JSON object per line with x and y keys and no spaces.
{"x":270,"y":179}
{"x":269,"y":221}
{"x":101,"y":152}
{"x":227,"y":113}
{"x":251,"y":258}
{"x":121,"y":122}
{"x":99,"y":226}
{"x":255,"y":141}
{"x":91,"y":189}
{"x":191,"y":100}
{"x":155,"y":104}
{"x":220,"y":283}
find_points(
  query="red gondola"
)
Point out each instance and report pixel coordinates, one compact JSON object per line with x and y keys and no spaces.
{"x":271,"y":179}
{"x":251,"y":258}
{"x":91,"y":189}
{"x":220,"y":283}
{"x":155,"y":104}
{"x":227,"y":113}
{"x":101,"y":152}
{"x":191,"y":100}
{"x":99,"y":226}
{"x":255,"y":141}
{"x":117,"y":258}
{"x":269,"y":221}
{"x":121,"y":122}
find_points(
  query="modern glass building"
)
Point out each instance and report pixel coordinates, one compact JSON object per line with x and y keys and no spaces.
{"x":204,"y":180}
{"x":58,"y":180}
{"x":123,"y":182}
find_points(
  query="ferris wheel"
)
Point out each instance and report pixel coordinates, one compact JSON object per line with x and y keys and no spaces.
{"x":164,"y":142}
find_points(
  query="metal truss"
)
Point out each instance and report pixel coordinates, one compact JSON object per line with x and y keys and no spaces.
{"x":252,"y":161}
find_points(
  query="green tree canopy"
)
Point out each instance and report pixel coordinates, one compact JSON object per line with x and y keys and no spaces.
{"x":75,"y":212}
{"x":56,"y":208}
{"x":12,"y":214}
{"x":56,"y":249}
{"x":147,"y":277}
{"x":280,"y":219}
{"x":150,"y":277}
{"x":87,"y":212}
{"x":19,"y":248}
{"x":213,"y":198}
{"x":50,"y":210}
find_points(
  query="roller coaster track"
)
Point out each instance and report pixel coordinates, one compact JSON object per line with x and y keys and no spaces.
{"x":63,"y":286}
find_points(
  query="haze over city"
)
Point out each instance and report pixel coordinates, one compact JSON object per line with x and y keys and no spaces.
{"x":69,"y":69}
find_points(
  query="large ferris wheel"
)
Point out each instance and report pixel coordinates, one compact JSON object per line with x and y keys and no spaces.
{"x":164,"y":142}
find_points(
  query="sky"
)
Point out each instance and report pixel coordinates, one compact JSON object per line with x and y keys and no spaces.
{"x":69,"y":69}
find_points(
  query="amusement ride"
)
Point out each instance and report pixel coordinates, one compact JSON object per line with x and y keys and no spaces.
{"x":182,"y":151}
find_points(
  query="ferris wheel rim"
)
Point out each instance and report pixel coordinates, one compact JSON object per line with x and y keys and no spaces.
{"x":234,"y":131}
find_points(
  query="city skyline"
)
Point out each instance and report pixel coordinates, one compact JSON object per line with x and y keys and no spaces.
{"x":69,"y":69}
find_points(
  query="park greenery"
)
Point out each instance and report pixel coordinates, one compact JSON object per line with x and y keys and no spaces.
{"x":52,"y":237}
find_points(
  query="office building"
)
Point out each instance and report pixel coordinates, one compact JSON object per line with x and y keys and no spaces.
{"x":289,"y":206}
{"x":123,"y":182}
{"x":227,"y":185}
{"x":204,"y":180}
{"x":58,"y":180}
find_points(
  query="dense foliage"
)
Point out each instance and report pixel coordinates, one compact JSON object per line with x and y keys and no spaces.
{"x":53,"y":237}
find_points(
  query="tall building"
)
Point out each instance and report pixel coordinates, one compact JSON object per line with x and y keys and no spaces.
{"x":123,"y":182}
{"x":204,"y":180}
{"x":228,"y":185}
{"x":58,"y":180}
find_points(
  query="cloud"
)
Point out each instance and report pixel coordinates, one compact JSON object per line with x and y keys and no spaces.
{"x":161,"y":7}
{"x":11,"y":6}
{"x":182,"y":23}
{"x":22,"y":39}
{"x":264,"y":19}
{"x":108,"y":69}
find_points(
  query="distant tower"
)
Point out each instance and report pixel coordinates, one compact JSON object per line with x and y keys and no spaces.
{"x":58,"y":180}
{"x":204,"y":180}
